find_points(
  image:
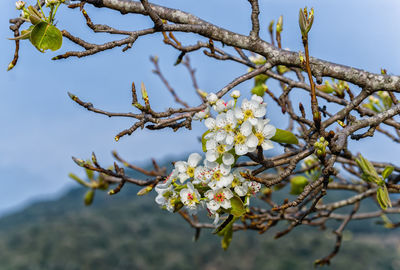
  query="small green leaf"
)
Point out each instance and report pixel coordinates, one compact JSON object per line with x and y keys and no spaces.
{"x":284,"y":136}
{"x":226,"y":240}
{"x":89,"y":173}
{"x":382,"y":196}
{"x":387,"y":172}
{"x":238,"y":208}
{"x":77,"y":179}
{"x":297,"y":184}
{"x":45,"y":36}
{"x":89,"y":197}
{"x":34,"y":15}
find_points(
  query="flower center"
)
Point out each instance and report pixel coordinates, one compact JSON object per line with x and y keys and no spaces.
{"x":235,"y":182}
{"x":221,"y":149}
{"x":190,"y":171}
{"x":260,"y":138}
{"x":217,"y":175}
{"x":248,"y":114}
{"x":219,"y":197}
{"x":240,"y":139}
{"x":228,"y":128}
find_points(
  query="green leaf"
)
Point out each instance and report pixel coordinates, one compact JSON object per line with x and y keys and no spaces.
{"x":387,"y":172}
{"x":284,"y":136}
{"x":297,"y":184}
{"x":89,"y":197}
{"x":368,"y":170}
{"x":238,"y":208}
{"x":382,"y":196}
{"x":77,"y":179}
{"x":226,"y":240}
{"x":45,"y":36}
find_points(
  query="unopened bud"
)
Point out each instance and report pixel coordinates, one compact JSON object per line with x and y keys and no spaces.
{"x":235,"y":94}
{"x":212,"y":98}
{"x":145,"y":190}
{"x":20,"y":5}
{"x":279,"y":24}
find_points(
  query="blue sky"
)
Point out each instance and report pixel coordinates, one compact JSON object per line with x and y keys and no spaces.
{"x":42,"y":128}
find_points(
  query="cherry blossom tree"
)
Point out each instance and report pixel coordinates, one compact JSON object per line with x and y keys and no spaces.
{"x":235,"y":168}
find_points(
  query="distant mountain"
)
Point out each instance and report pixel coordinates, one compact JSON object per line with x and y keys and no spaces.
{"x":129,"y":232}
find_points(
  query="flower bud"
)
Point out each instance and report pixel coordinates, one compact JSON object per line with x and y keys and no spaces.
{"x":235,"y":94}
{"x":212,"y":98}
{"x":20,"y":5}
{"x":279,"y":24}
{"x":51,"y":2}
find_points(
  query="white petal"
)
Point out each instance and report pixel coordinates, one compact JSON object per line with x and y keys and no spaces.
{"x":230,"y":116}
{"x":257,"y":99}
{"x":220,"y":120}
{"x":253,"y":121}
{"x":228,"y":159}
{"x":194,"y":159}
{"x":228,"y":193}
{"x":267,"y":144}
{"x":209,"y":194}
{"x":252,"y":141}
{"x":269,"y":131}
{"x":260,"y":111}
{"x":226,"y":204}
{"x":241,"y":149}
{"x":220,"y":136}
{"x":241,"y":190}
{"x":181,"y":166}
{"x":213,"y":205}
{"x":211,"y":155}
{"x":245,"y":129}
{"x":224,"y":169}
{"x":211,"y":144}
{"x":184,"y":195}
{"x":238,"y":113}
{"x":229,"y":139}
{"x":209,"y":123}
{"x":226,"y":180}
{"x":191,"y":187}
{"x":183,"y":177}
{"x":216,"y":219}
{"x":160,"y":200}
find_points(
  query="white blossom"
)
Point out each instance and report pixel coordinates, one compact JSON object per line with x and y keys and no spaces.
{"x":264,"y":132}
{"x":190,"y":197}
{"x":251,"y":109}
{"x":186,"y":169}
{"x":244,"y":140}
{"x":220,"y":175}
{"x":212,"y":98}
{"x":20,"y":5}
{"x":202,"y":114}
{"x":219,"y":198}
{"x":239,"y":183}
{"x":235,"y":94}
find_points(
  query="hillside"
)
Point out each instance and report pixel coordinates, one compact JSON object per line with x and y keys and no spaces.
{"x":130,"y":232}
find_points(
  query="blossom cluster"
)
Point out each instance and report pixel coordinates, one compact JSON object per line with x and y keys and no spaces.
{"x":212,"y":182}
